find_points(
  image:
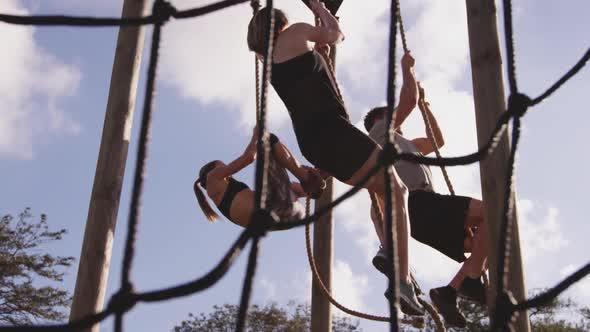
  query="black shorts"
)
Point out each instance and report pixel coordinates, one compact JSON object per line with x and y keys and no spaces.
{"x":438,"y":221}
{"x":331,"y":143}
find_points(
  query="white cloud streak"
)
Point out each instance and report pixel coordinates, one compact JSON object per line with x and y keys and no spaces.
{"x":32,"y":83}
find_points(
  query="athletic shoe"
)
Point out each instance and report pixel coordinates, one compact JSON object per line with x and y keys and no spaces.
{"x":473,"y":290}
{"x":381,"y":263}
{"x":408,"y":300}
{"x":314,"y":185}
{"x":445,"y":301}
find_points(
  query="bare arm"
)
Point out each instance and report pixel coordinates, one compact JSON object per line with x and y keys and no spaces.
{"x":328,"y":32}
{"x":424,"y":144}
{"x":247,"y":157}
{"x":409,"y":92}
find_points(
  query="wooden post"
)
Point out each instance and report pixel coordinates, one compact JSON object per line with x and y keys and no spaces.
{"x":323,"y":230}
{"x":96,"y":251}
{"x":488,"y":93}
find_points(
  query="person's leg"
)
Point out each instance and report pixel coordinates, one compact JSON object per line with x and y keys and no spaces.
{"x":475,"y":265}
{"x":400,"y":192}
{"x":285,"y":158}
{"x":310,"y":179}
{"x":377,"y":218}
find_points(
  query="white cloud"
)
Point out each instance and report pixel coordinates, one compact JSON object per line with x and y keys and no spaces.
{"x":216,"y":68}
{"x":33,"y":82}
{"x":269,"y":288}
{"x":349,"y":289}
{"x":540,"y":230}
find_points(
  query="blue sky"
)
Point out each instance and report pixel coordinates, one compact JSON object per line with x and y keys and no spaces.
{"x":53,"y":92}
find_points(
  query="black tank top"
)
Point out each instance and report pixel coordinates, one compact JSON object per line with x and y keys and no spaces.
{"x":306,"y":87}
{"x":233,"y":188}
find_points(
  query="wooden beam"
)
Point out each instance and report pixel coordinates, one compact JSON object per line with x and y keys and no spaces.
{"x":97,"y":247}
{"x":323,"y":245}
{"x":488,"y":93}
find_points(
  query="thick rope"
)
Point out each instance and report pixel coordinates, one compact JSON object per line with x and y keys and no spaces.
{"x":124,"y":300}
{"x":263,"y":151}
{"x":417,"y":322}
{"x":422,"y":107}
{"x":332,"y":71}
{"x":391,"y":149}
{"x":431,"y":310}
{"x":430,"y":133}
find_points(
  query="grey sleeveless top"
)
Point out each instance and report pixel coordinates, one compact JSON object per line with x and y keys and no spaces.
{"x":416,"y":177}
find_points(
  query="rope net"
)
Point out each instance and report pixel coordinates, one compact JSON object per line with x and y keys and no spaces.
{"x":126,"y":298}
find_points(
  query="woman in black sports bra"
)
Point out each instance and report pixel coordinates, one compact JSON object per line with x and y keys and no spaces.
{"x":235,"y":200}
{"x":327,"y":139}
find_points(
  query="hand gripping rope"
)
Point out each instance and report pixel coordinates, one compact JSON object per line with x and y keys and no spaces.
{"x":127,"y":297}
{"x":422,"y":106}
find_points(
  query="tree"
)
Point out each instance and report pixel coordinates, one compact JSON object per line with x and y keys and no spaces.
{"x":270,"y":318}
{"x":561,"y":315}
{"x":22,"y":299}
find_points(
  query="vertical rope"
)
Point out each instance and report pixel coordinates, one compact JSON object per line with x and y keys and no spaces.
{"x":332,"y":69}
{"x":509,"y":38}
{"x":427,"y":124}
{"x":390,"y":213}
{"x":402,"y":30}
{"x":263,"y":150}
{"x":507,"y":222}
{"x":255,"y":4}
{"x":140,"y":166}
{"x":430,"y":134}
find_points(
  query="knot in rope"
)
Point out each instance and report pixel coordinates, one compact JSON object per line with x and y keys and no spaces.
{"x":123,"y":300}
{"x":255,"y":4}
{"x":163,"y":10}
{"x":518,"y":104}
{"x":389,"y":154}
{"x":260,"y":223}
{"x":505,"y":308}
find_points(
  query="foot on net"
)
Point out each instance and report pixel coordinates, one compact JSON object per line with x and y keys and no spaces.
{"x":473,"y":289}
{"x":407,"y":298}
{"x":314,"y":185}
{"x":445,"y":301}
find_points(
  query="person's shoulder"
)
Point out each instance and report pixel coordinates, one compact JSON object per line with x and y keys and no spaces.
{"x":298,"y":27}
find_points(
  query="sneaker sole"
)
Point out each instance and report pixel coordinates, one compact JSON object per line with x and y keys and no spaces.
{"x":407,"y":308}
{"x":381,"y":264}
{"x":438,"y":307}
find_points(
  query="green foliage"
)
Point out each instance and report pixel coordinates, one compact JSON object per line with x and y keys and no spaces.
{"x":270,"y":318}
{"x":22,"y":300}
{"x":561,"y":315}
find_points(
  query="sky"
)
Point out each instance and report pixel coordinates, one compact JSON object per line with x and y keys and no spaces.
{"x":53,"y":94}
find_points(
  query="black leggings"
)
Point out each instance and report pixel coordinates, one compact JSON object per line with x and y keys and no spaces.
{"x":331,"y":143}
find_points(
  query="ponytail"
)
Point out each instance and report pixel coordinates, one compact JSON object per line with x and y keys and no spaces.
{"x":211,"y":215}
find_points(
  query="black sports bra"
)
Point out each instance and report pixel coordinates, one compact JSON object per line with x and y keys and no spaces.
{"x":233,"y":188}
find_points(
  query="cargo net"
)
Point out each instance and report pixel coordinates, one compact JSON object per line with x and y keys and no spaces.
{"x":127,"y":297}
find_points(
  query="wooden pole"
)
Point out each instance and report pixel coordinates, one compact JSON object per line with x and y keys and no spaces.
{"x":323,"y":244}
{"x":96,"y":252}
{"x":488,"y":93}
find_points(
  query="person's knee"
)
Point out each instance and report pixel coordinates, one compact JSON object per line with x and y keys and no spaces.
{"x":474,"y":213}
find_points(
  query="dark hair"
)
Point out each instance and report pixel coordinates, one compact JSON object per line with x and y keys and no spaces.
{"x":372,"y":115}
{"x":258,"y":29}
{"x":202,"y":180}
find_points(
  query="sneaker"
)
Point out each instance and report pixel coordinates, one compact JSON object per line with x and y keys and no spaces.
{"x":445,"y":301}
{"x":408,"y":300}
{"x":314,"y":185}
{"x":473,"y":289}
{"x":381,"y":263}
